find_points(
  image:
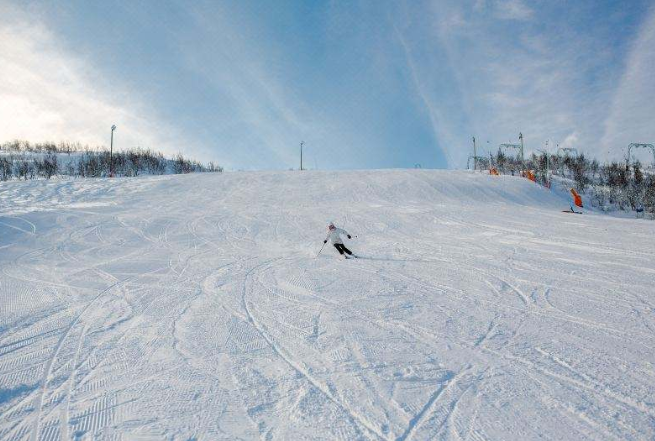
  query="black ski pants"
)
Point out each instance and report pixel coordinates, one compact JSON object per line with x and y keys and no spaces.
{"x":341,"y":248}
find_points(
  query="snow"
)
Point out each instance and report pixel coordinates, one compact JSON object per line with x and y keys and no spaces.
{"x":194,"y":307}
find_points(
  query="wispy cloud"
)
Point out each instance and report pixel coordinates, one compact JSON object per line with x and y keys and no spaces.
{"x":260,"y":116}
{"x":494,"y":81}
{"x":631,"y":118}
{"x":512,"y":10}
{"x":365,"y":84}
{"x":571,"y":141}
{"x":434,"y":112}
{"x":50,"y":94}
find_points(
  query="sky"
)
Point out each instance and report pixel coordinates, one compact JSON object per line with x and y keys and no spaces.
{"x":365,"y":84}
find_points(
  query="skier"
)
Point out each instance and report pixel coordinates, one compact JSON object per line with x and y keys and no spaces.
{"x":334,"y":236}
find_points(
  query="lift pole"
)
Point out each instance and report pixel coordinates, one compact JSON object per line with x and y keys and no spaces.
{"x":475,"y":156}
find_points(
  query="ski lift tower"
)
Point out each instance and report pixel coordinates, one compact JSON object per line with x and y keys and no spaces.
{"x":639,"y":146}
{"x":475,"y":157}
{"x":518,"y":147}
{"x":567,"y":150}
{"x":504,"y":147}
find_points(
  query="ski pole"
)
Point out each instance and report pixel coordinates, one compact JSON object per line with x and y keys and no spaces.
{"x":319,"y":252}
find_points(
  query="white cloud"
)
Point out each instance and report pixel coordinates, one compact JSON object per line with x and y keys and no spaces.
{"x":439,"y":127}
{"x":494,"y":82}
{"x":263,"y":119}
{"x":475,"y":83}
{"x":479,"y":5}
{"x":512,"y":10}
{"x":472,"y":74}
{"x":48,"y":94}
{"x":571,"y":141}
{"x":632,"y":115}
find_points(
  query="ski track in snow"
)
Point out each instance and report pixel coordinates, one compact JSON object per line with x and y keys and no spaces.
{"x":194,"y":307}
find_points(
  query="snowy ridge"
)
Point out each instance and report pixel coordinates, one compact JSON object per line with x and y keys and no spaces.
{"x":194,"y":307}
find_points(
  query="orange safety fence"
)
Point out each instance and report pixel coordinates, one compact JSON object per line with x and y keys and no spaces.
{"x":493,"y":171}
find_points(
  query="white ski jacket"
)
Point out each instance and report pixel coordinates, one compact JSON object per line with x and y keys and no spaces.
{"x":334,"y":236}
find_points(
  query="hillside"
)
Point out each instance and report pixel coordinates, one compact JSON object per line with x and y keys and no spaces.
{"x":195,"y":307}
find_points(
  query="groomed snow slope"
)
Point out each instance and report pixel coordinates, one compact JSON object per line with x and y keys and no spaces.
{"x":194,"y":307}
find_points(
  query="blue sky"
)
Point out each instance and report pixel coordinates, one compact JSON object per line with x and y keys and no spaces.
{"x":366,"y":84}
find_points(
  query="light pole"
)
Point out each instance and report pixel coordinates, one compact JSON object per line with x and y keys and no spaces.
{"x":301,"y":144}
{"x":521,"y":139}
{"x":475,"y":156}
{"x":111,"y":153}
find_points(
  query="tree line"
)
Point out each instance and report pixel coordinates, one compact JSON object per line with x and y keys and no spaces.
{"x":25,"y":160}
{"x":610,"y":186}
